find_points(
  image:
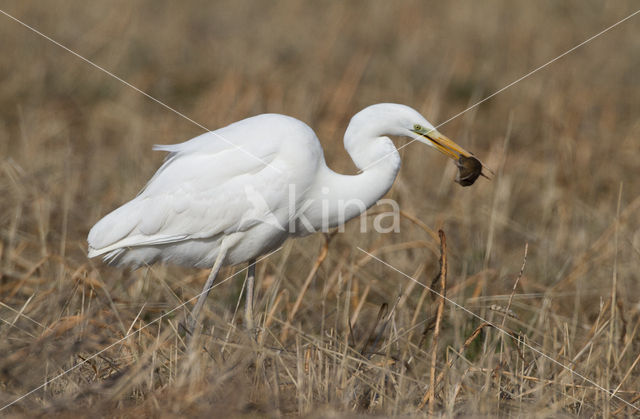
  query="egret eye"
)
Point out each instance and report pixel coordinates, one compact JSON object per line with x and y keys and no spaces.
{"x":417,"y":127}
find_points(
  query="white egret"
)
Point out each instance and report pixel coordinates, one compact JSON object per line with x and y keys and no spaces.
{"x":231,"y":195}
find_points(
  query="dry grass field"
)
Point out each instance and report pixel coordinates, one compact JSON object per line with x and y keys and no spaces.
{"x":360,"y":338}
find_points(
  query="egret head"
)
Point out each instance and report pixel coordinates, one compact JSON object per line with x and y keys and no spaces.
{"x":469,"y":167}
{"x":401,"y":120}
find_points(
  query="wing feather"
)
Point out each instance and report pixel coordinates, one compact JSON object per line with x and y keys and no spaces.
{"x":207,"y":187}
{"x":195,"y":197}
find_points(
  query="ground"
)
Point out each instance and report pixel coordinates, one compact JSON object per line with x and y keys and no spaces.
{"x":366,"y":337}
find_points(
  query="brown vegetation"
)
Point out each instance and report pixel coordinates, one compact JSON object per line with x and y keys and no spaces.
{"x":76,"y":143}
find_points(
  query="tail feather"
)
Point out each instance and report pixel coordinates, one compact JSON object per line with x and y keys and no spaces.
{"x":113,"y":227}
{"x":111,"y":258}
{"x":136,"y":223}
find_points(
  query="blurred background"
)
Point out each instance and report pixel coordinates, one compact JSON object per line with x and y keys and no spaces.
{"x":75,"y":143}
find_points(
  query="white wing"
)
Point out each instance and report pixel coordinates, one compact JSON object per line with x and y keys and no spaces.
{"x":209,"y":186}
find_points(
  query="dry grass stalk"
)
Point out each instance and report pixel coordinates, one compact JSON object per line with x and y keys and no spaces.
{"x":75,"y":144}
{"x":624,"y":407}
{"x":515,"y":285}
{"x":507,"y":310}
{"x":430,"y":395}
{"x":472,"y":337}
{"x":324,"y":250}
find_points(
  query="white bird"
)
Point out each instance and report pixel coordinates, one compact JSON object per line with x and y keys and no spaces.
{"x":231,"y":195}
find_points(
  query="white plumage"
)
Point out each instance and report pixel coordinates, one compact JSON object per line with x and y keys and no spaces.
{"x":230,"y":195}
{"x":201,"y":193}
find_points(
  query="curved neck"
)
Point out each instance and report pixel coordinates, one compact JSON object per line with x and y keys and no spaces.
{"x":336,"y":198}
{"x":379,"y":163}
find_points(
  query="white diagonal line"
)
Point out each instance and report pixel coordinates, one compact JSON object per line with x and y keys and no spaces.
{"x":501,"y":330}
{"x":86,"y":60}
{"x":85,"y":360}
{"x":511,"y":84}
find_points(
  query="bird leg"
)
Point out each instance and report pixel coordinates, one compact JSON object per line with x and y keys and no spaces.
{"x":248,"y":301}
{"x":193,"y":318}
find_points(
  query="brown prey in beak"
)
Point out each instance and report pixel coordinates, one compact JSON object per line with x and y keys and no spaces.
{"x":469,"y":167}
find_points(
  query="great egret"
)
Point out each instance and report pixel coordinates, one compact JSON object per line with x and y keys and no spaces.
{"x":231,"y":195}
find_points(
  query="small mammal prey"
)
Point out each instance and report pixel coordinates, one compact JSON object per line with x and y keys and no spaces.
{"x":469,"y":169}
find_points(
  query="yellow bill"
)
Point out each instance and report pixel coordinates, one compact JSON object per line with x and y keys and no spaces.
{"x":442,"y":143}
{"x":470,"y":168}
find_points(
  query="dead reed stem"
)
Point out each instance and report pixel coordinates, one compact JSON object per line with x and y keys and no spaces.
{"x":430,"y":395}
{"x":515,"y":284}
{"x":464,"y":346}
{"x":321,"y":257}
{"x":75,"y":144}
